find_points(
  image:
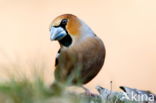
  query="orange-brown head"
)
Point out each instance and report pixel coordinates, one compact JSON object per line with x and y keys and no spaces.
{"x":69,"y":29}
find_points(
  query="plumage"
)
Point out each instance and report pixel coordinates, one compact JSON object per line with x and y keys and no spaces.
{"x":81,"y":54}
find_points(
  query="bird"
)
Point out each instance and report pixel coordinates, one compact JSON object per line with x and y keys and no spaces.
{"x":81,"y":54}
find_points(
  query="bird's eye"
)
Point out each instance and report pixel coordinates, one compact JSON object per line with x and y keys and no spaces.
{"x":63,"y":22}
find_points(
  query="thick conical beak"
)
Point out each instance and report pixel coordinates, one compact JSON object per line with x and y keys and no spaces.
{"x":57,"y":33}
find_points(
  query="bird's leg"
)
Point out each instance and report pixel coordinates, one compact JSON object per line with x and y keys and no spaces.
{"x":88,"y":92}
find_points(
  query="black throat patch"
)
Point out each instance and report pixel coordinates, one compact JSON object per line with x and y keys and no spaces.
{"x":66,"y":41}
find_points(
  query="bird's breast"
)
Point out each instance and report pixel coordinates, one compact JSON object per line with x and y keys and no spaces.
{"x":86,"y":58}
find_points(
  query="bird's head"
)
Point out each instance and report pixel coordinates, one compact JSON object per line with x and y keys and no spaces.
{"x":68,"y":29}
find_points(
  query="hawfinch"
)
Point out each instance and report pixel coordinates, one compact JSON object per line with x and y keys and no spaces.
{"x":81,"y":54}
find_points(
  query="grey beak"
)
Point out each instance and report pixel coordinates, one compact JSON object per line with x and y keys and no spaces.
{"x":57,"y":33}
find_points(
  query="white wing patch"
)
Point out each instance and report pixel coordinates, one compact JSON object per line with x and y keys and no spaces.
{"x":57,"y":56}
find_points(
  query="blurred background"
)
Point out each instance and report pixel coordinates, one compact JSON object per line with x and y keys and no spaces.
{"x":127,"y":27}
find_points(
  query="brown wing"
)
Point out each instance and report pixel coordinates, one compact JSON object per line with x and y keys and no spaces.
{"x":81,"y":63}
{"x":93,"y":59}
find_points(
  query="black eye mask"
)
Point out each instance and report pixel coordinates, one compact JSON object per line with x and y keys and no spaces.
{"x":63,"y":23}
{"x":67,"y":40}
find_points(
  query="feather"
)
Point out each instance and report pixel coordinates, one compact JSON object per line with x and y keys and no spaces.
{"x":85,"y":62}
